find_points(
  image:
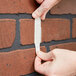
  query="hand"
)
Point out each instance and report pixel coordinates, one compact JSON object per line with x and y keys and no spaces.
{"x":45,"y":6}
{"x":59,"y":62}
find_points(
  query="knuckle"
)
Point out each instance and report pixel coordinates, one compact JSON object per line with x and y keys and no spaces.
{"x":55,"y":52}
{"x":56,"y":49}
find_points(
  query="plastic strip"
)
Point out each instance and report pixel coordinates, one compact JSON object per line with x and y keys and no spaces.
{"x":37,"y":34}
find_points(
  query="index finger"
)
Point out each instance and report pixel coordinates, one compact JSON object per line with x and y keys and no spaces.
{"x":38,"y":66}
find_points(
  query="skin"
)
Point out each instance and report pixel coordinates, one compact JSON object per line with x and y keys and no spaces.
{"x":45,"y":6}
{"x":58,"y":62}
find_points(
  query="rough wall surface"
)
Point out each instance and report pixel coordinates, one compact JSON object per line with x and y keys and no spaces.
{"x":17,"y":50}
{"x":64,"y":7}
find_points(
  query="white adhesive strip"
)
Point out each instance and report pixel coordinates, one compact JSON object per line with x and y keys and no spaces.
{"x":37,"y":34}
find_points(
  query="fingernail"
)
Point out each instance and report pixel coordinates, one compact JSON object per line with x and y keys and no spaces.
{"x":34,"y":15}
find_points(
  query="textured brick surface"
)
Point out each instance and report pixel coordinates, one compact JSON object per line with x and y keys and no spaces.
{"x":64,"y":7}
{"x":74,"y":28}
{"x":52,"y":29}
{"x":55,"y":29}
{"x":7,"y":32}
{"x":26,"y":31}
{"x":17,"y":6}
{"x":18,"y":62}
{"x":69,"y":46}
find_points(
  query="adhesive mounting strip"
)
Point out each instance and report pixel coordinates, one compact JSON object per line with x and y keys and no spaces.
{"x":37,"y":34}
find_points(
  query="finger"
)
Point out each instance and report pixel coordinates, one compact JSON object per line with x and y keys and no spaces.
{"x":43,"y":16}
{"x":46,"y":5}
{"x":41,"y":68}
{"x":39,"y":1}
{"x":38,"y":65}
{"x":46,"y":56}
{"x":39,"y":11}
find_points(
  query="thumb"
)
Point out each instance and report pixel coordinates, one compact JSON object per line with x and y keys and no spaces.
{"x":44,"y":15}
{"x":45,"y":6}
{"x":46,"y":56}
{"x":40,"y":11}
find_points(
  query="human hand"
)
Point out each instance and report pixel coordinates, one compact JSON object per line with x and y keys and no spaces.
{"x":45,"y":6}
{"x":59,"y":62}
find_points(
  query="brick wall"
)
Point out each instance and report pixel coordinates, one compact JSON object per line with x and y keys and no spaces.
{"x":17,"y":52}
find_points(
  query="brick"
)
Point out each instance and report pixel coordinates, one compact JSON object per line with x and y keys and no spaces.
{"x":74,"y":28}
{"x":69,"y":46}
{"x":26,"y":31}
{"x":17,"y":62}
{"x":7,"y":32}
{"x":55,"y":29}
{"x":64,"y":7}
{"x":52,"y":29}
{"x":17,"y":6}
